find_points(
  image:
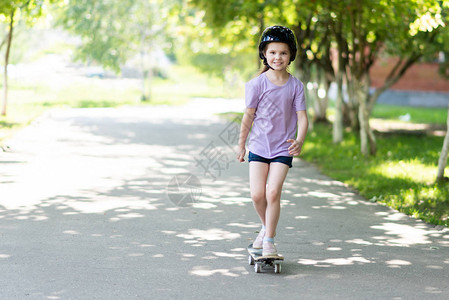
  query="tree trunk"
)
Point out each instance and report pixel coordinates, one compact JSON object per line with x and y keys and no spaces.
{"x":352,"y":105}
{"x":337,"y":129}
{"x":367,"y":139}
{"x":5,"y":70}
{"x":143,"y":97}
{"x":444,"y":152}
{"x":363,"y":128}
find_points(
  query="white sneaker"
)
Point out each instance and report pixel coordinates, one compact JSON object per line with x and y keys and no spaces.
{"x":258,"y":242}
{"x":269,"y":249}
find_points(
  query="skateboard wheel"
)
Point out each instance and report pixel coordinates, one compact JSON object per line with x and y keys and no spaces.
{"x":277,"y":268}
{"x":258,"y":267}
{"x":250,"y":260}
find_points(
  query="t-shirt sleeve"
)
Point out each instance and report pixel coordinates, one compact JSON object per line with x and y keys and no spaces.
{"x":251,"y":95}
{"x":299,"y":102}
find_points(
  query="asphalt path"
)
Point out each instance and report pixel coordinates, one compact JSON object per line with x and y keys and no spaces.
{"x":149,"y":203}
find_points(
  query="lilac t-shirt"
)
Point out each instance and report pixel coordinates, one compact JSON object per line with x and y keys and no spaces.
{"x":275,"y":118}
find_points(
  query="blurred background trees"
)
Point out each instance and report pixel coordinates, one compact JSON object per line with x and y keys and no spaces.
{"x":113,"y":32}
{"x":11,"y":12}
{"x":339,"y":42}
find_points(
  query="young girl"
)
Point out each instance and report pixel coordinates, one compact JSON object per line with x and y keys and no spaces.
{"x":275,"y":113}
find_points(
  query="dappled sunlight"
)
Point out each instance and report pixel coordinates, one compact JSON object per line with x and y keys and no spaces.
{"x":104,"y":190}
{"x":205,"y":271}
{"x":323,"y":182}
{"x":330,"y":237}
{"x":397,"y":263}
{"x":335,"y":261}
{"x":49,"y":175}
{"x":405,"y":235}
{"x":359,"y":242}
{"x":323,"y":195}
{"x":204,"y":205}
{"x":414,"y":170}
{"x":392,"y":216}
{"x":104,"y":203}
{"x":255,"y":226}
{"x":337,"y":201}
{"x":213,"y":234}
{"x":231,"y":255}
{"x":105,"y":166}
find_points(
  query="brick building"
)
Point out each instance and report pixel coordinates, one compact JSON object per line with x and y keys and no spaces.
{"x":421,"y":85}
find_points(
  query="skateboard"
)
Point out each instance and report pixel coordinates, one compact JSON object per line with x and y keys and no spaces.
{"x":255,"y":258}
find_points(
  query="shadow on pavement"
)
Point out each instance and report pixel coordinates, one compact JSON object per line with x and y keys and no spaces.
{"x":86,"y":211}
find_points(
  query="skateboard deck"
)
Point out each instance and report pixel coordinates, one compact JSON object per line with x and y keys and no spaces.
{"x":255,"y":258}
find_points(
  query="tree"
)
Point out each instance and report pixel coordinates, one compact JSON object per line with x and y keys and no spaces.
{"x":310,"y":22}
{"x":361,"y":30}
{"x":408,"y":30}
{"x":444,"y":152}
{"x":12,"y":11}
{"x":114,"y":31}
{"x":8,"y":41}
{"x":337,"y":127}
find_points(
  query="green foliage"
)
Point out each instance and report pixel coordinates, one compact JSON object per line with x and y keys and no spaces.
{"x":7,"y":6}
{"x":30,"y":10}
{"x":114,"y":31}
{"x":102,"y":28}
{"x":219,"y":65}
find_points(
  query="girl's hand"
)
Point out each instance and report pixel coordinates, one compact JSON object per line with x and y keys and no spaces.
{"x":241,"y":154}
{"x":295,"y":147}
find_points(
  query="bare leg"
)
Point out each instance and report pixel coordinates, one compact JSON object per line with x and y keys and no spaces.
{"x":278,"y":172}
{"x":258,"y":173}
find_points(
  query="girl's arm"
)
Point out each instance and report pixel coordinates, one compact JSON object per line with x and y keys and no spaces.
{"x":303,"y":125}
{"x":245,"y":127}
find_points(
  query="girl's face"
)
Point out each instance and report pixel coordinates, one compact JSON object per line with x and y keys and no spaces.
{"x":278,"y":55}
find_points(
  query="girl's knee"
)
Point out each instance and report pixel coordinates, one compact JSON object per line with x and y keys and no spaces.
{"x":273,"y":194}
{"x":258,"y":197}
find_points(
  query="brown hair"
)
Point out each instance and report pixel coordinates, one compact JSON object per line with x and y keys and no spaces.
{"x":264,"y":66}
{"x":264,"y":69}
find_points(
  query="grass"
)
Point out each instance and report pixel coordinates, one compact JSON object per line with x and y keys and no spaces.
{"x":417,"y":114}
{"x":401,"y":175}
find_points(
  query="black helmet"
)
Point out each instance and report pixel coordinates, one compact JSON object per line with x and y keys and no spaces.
{"x":279,"y":34}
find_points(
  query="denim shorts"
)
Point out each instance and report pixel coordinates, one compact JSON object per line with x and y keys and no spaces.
{"x":281,"y":159}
